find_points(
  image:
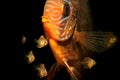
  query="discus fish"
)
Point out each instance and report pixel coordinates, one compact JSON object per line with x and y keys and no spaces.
{"x":42,"y":72}
{"x":41,"y":42}
{"x":24,"y":39}
{"x":30,"y":57}
{"x":68,"y":28}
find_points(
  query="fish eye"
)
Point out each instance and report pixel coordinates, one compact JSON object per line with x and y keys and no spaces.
{"x":66,"y":10}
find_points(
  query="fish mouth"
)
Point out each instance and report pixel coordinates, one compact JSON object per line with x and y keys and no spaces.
{"x":45,"y":19}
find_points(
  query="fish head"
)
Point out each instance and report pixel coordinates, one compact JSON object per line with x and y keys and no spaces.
{"x":59,"y":19}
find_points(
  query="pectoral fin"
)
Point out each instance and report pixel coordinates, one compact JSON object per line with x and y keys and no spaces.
{"x":95,"y":41}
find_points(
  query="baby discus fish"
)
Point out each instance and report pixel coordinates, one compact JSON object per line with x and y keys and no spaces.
{"x":68,"y":29}
{"x":30,"y":57}
{"x":41,"y":42}
{"x":42,"y":72}
{"x":24,"y":39}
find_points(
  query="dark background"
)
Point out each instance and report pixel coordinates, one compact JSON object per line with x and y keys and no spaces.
{"x":105,"y":17}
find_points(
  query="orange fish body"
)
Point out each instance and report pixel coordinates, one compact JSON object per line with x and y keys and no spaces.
{"x":68,"y":55}
{"x":63,"y":21}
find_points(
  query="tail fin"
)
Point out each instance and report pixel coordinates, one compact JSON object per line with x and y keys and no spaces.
{"x":95,"y":41}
